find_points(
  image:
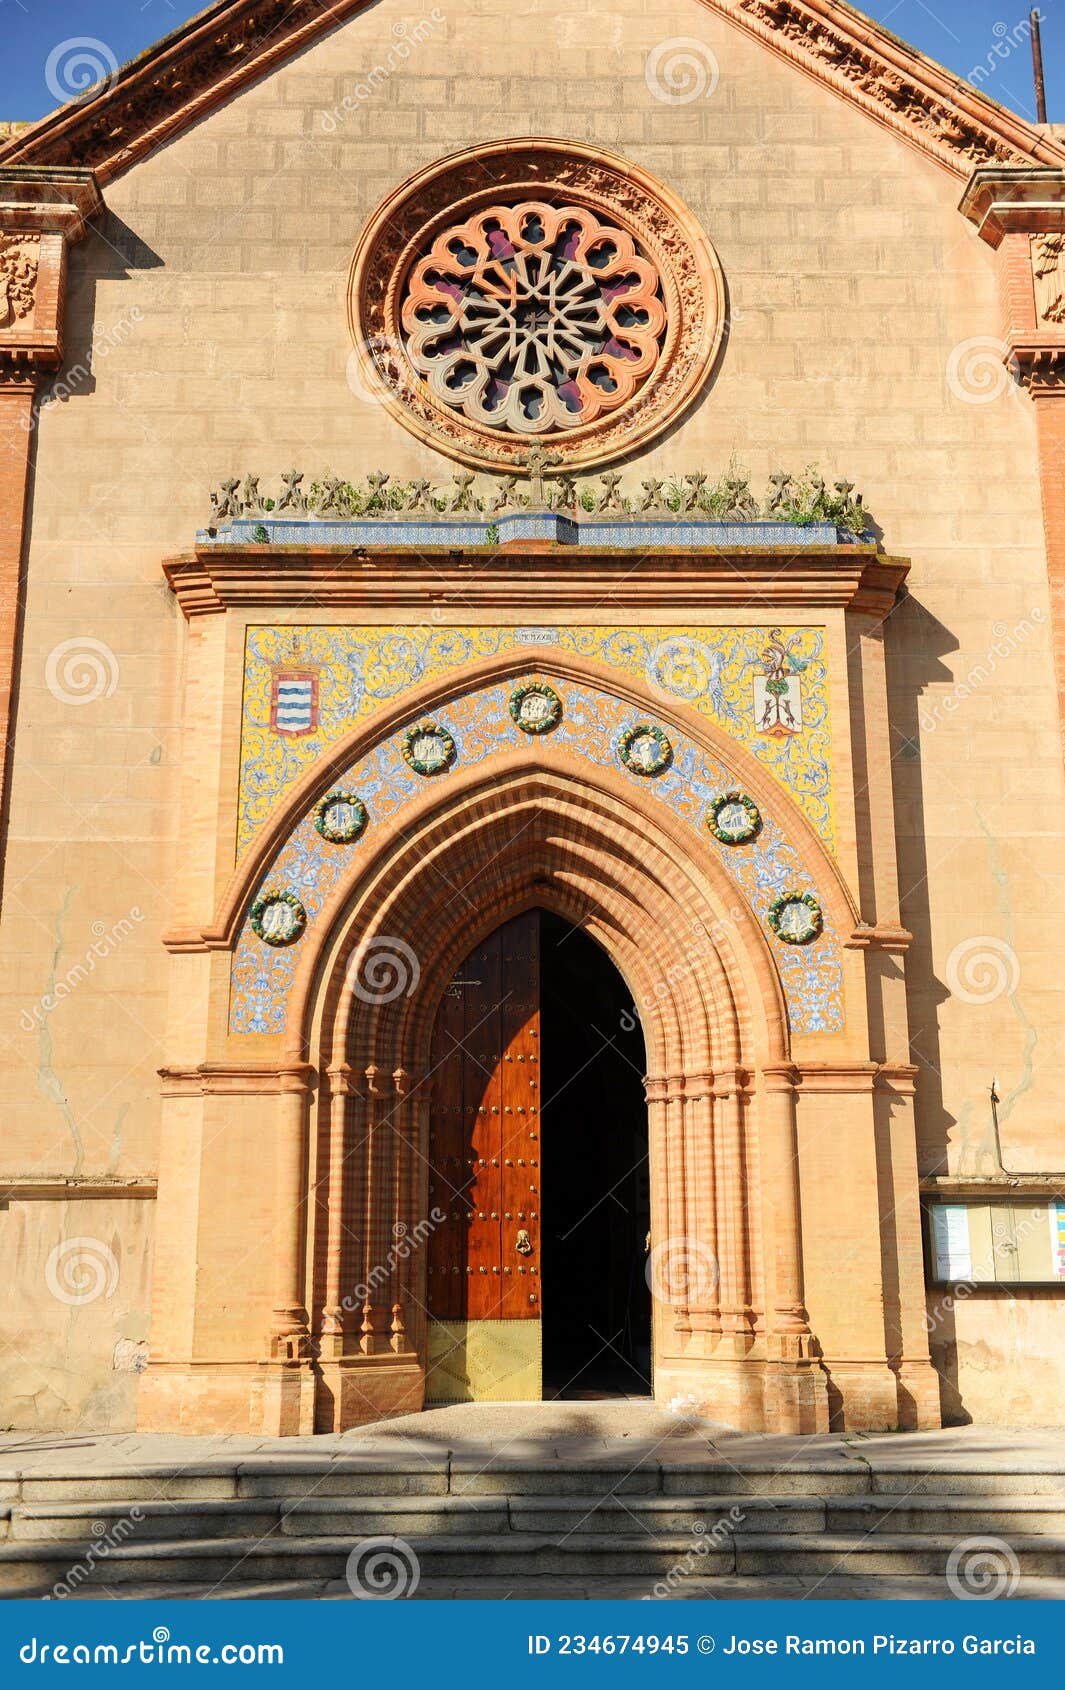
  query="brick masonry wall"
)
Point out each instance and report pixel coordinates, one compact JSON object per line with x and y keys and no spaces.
{"x":861,"y":306}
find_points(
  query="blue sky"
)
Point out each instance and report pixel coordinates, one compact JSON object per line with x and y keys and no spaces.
{"x":982,"y":40}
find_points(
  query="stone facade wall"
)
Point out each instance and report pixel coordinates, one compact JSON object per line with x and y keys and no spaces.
{"x":74,"y":1325}
{"x":863,"y":311}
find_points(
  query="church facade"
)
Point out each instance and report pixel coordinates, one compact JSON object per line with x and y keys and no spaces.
{"x":533,"y":548}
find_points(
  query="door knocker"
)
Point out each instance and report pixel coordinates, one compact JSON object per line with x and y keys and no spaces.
{"x":524,"y":1244}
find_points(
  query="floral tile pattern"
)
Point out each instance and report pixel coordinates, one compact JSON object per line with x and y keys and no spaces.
{"x":591,"y":730}
{"x":352,"y":672}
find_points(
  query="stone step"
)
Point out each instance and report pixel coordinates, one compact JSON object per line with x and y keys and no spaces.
{"x":883,"y":1553}
{"x":1026,"y":1516}
{"x":517,"y":1556}
{"x":947,"y":1479}
{"x":440,"y":1475}
{"x":120,"y":1522}
{"x":687,"y":1479}
{"x":544,"y":1516}
{"x":725,"y":1588}
{"x":237,"y":1560}
{"x":251,"y":1481}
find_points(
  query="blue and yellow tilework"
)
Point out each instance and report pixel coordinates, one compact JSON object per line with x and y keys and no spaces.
{"x":591,"y":728}
{"x":712,"y":670}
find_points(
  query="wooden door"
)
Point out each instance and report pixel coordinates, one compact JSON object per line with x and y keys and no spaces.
{"x":484,"y":1169}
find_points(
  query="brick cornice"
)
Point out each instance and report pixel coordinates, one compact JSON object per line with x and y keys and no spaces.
{"x":900,"y":88}
{"x":42,"y":212}
{"x":217,"y":578}
{"x":1027,"y":200}
{"x":235,"y":42}
{"x":237,"y":1079}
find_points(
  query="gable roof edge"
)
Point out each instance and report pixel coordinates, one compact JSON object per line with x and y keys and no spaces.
{"x":234,"y":42}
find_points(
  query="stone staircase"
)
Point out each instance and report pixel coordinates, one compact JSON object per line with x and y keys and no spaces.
{"x":831,"y":1526}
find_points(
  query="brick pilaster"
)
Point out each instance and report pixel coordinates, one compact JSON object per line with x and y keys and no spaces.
{"x":41,"y":213}
{"x":1011,"y":209}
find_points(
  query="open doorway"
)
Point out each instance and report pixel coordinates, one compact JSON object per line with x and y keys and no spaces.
{"x":596,"y":1179}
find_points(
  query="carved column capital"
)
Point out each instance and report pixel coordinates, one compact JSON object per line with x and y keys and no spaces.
{"x":1021,"y":213}
{"x":42,"y":212}
{"x":730,"y":1082}
{"x":780,"y":1076}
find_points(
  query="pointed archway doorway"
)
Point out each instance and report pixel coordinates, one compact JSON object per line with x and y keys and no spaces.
{"x":539,"y":1161}
{"x":729,"y":1324}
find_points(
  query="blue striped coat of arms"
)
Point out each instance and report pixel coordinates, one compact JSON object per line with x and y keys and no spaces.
{"x":294,"y":703}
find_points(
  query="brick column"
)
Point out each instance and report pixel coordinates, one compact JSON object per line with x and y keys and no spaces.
{"x":1021,"y":214}
{"x":289,"y":1336}
{"x":41,"y":213}
{"x":1044,"y":376}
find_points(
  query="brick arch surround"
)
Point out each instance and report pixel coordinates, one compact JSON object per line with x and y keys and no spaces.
{"x":720,"y":1092}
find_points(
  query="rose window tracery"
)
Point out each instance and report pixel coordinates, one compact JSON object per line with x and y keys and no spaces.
{"x":534,"y":291}
{"x":534,"y":318}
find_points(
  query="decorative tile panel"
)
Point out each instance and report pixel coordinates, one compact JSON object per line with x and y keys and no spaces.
{"x":591,"y":728}
{"x":343,"y":675}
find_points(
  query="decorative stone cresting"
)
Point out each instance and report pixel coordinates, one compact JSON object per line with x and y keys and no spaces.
{"x":19,"y":257}
{"x":801,"y":500}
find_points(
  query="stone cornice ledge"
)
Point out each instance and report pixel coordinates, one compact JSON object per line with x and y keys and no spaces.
{"x":884,"y":936}
{"x":68,"y":1188}
{"x":237,"y":1079}
{"x":1025,"y":200}
{"x":218,"y":578}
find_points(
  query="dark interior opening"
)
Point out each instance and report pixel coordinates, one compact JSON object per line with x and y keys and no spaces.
{"x":596,"y":1184}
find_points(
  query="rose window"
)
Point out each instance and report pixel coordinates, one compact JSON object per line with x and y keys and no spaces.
{"x":534,"y":291}
{"x":534,"y":319}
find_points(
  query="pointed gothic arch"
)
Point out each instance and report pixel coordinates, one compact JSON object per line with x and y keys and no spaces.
{"x":720,"y":1100}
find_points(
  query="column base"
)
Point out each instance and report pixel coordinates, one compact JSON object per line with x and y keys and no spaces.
{"x":919,"y":1399}
{"x":360,"y":1389}
{"x":796,"y":1396}
{"x":863,"y":1396}
{"x":201,"y":1397}
{"x":287,"y":1400}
